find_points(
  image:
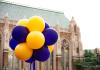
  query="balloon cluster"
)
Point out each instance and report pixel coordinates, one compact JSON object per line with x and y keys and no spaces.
{"x":33,"y":39}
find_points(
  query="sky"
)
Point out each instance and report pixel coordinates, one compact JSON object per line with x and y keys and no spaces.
{"x":85,"y":12}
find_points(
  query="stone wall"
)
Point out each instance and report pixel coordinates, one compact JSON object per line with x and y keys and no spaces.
{"x":67,"y":48}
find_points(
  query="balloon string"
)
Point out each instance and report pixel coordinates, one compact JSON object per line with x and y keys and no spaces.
{"x":32,"y":66}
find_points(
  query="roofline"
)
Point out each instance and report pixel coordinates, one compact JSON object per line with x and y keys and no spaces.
{"x":23,"y":5}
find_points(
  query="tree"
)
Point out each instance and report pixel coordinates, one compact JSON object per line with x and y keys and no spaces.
{"x":89,"y":56}
{"x":98,"y":59}
{"x":89,"y":61}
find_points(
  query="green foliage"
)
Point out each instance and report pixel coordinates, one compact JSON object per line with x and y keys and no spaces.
{"x":89,"y":53}
{"x":91,"y":61}
{"x":98,"y":59}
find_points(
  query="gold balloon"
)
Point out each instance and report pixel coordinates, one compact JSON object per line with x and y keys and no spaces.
{"x":36,"y":23}
{"x":22,"y":51}
{"x":35,"y":40}
{"x":51,"y":47}
{"x":23,"y":22}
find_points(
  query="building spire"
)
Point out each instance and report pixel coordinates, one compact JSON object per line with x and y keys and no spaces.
{"x":72,"y":20}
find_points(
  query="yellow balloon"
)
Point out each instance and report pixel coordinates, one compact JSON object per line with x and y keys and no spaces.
{"x":35,"y":40}
{"x":23,"y":22}
{"x":51,"y":47}
{"x":36,"y":23}
{"x":22,"y":51}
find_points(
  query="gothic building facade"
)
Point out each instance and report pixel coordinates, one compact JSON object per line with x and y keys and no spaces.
{"x":66,"y":51}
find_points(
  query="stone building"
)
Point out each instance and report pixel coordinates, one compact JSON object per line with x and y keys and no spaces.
{"x":67,"y":49}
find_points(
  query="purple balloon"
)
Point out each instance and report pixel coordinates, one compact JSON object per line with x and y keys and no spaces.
{"x":13,"y":43}
{"x":51,"y":36}
{"x":46,"y":25}
{"x":42,"y":54}
{"x":20,"y":33}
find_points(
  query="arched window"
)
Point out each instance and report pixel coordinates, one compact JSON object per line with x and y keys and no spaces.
{"x":65,"y":43}
{"x":64,"y":50}
{"x":77,"y":50}
{"x":75,"y":28}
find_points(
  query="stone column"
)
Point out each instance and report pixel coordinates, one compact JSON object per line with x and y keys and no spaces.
{"x":64,"y":59}
{"x":1,"y":48}
{"x":54,"y":58}
{"x":37,"y":65}
{"x":41,"y":66}
{"x":5,"y":42}
{"x":70,"y":56}
{"x":48,"y":64}
{"x":57,"y":55}
{"x":58,"y":63}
